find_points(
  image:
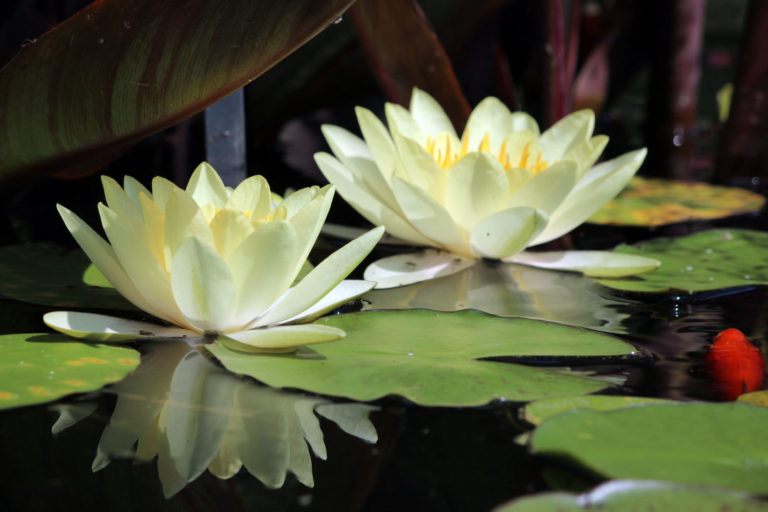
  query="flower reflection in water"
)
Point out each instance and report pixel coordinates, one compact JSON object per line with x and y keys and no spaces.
{"x":192,"y":415}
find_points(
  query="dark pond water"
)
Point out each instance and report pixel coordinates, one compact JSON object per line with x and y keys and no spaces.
{"x":424,"y":459}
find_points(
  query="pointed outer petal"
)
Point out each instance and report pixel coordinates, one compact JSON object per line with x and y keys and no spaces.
{"x":367,"y":205}
{"x":420,"y":167}
{"x":352,"y":419}
{"x":118,"y":202}
{"x":491,"y":117}
{"x":183,"y":219}
{"x":154,"y":227}
{"x":477,"y":187}
{"x":403,"y":269}
{"x":590,"y":263}
{"x":133,"y":190}
{"x":161,"y":191}
{"x":506,"y":232}
{"x":103,"y":328}
{"x":429,"y":115}
{"x":517,"y":177}
{"x":310,"y":425}
{"x":428,"y":216}
{"x":263,"y":267}
{"x":522,"y":121}
{"x":252,"y":194}
{"x":297,"y":200}
{"x":307,"y":223}
{"x":280,"y":337}
{"x":103,"y":257}
{"x":202,"y":286}
{"x":205,"y":187}
{"x":547,"y":189}
{"x":299,"y":460}
{"x":379,"y":142}
{"x":323,"y":278}
{"x":229,"y":228}
{"x":567,"y":133}
{"x":149,"y":277}
{"x":400,"y":120}
{"x":599,"y":185}
{"x":587,"y":153}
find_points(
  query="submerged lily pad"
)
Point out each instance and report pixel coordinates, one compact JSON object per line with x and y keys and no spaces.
{"x":431,"y":358}
{"x":540,"y":410}
{"x":693,"y":443}
{"x":656,"y":202}
{"x":49,"y":275}
{"x":637,"y":495}
{"x":710,"y":260}
{"x":38,"y":368}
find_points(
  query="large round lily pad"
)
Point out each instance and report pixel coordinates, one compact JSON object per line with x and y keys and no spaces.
{"x":37,"y":368}
{"x":693,"y":443}
{"x":431,"y":358}
{"x":639,"y":495}
{"x":656,"y":202}
{"x":710,"y":260}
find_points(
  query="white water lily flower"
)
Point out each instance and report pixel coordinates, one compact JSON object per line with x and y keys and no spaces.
{"x":502,"y":187}
{"x":215,"y":262}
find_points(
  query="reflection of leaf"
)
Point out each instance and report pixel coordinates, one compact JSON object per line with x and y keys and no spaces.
{"x":540,"y":410}
{"x":657,"y":202}
{"x":636,"y":495}
{"x":192,"y":415}
{"x":507,"y":289}
{"x":38,"y":368}
{"x":431,"y":358}
{"x":696,"y":443}
{"x":719,"y":258}
{"x":118,"y":71}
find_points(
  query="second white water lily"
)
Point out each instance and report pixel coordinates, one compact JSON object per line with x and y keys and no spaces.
{"x":503,"y":186}
{"x":215,"y":262}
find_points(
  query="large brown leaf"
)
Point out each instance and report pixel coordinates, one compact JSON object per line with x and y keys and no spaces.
{"x":120,"y":70}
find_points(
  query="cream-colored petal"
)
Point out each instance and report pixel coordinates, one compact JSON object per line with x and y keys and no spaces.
{"x":367,"y":205}
{"x":345,"y":291}
{"x":429,"y":217}
{"x":202,"y":286}
{"x":133,"y":190}
{"x":154,"y":228}
{"x":149,"y":277}
{"x":521,"y":121}
{"x":279,"y":338}
{"x":109,"y":329}
{"x":103,"y":257}
{"x":506,"y":232}
{"x":323,"y":278}
{"x":587,"y":153}
{"x":253,"y":195}
{"x":590,"y":263}
{"x":297,"y":200}
{"x":230,"y":228}
{"x":429,"y":115}
{"x":547,"y":189}
{"x":567,"y":133}
{"x":599,"y":185}
{"x":379,"y":142}
{"x":119,"y":202}
{"x":161,"y":190}
{"x":516,"y":178}
{"x":404,"y":269}
{"x":307,"y":223}
{"x":263,"y":268}
{"x":420,"y":167}
{"x":477,"y":187}
{"x":490,"y":117}
{"x":183,"y":219}
{"x":401,"y":121}
{"x":205,"y":187}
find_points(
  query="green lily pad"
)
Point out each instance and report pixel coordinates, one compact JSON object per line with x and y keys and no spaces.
{"x":710,"y":260}
{"x":38,"y":368}
{"x":431,"y":358}
{"x":639,"y":495}
{"x":657,"y":202}
{"x":692,"y":443}
{"x":49,"y":275}
{"x":540,"y":410}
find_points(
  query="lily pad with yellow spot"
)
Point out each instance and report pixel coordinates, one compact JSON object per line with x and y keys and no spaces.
{"x":656,"y":202}
{"x":38,"y":368}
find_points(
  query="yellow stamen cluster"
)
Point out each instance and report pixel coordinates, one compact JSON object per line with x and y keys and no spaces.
{"x":445,"y":155}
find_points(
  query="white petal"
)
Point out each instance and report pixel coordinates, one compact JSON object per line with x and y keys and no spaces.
{"x":253,"y":195}
{"x":429,"y":115}
{"x":307,"y":223}
{"x":133,"y":190}
{"x":420,"y":167}
{"x":599,"y":185}
{"x":279,"y":338}
{"x":110,"y":329}
{"x":403,"y":269}
{"x":202,"y":286}
{"x":352,"y":419}
{"x":547,"y":189}
{"x":567,"y":133}
{"x":379,"y":142}
{"x":323,"y":278}
{"x":229,"y":228}
{"x":205,"y":187}
{"x":590,"y":263}
{"x":506,"y":232}
{"x":183,"y":219}
{"x":344,"y":292}
{"x":401,"y":121}
{"x":587,"y":153}
{"x":490,"y":117}
{"x":477,"y":187}
{"x":119,"y":202}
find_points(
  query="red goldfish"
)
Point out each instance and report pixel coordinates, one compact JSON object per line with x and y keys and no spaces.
{"x":736,"y":365}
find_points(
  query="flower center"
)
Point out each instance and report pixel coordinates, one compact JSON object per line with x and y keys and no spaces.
{"x":446,"y":154}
